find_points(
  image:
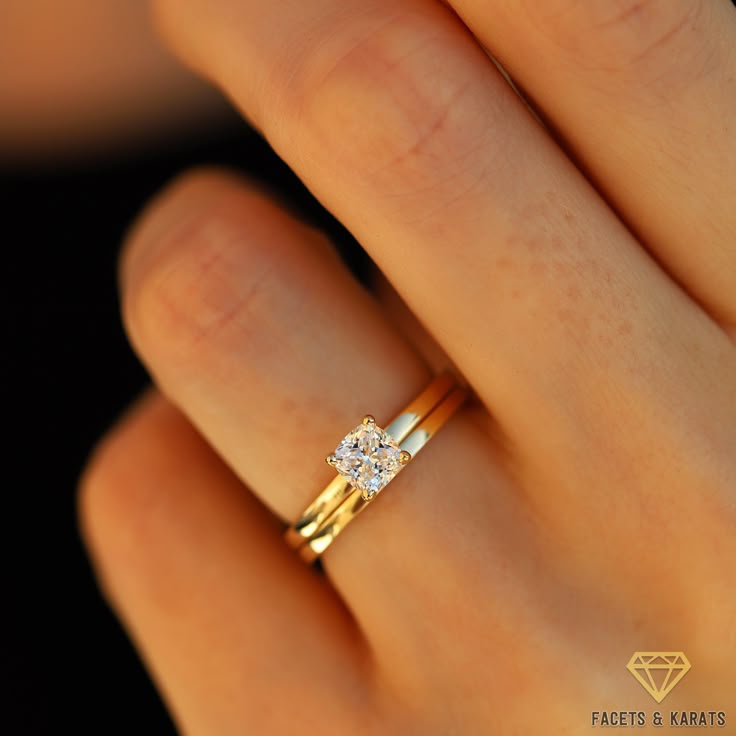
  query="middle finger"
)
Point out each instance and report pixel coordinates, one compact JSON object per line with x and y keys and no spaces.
{"x":395,"y":116}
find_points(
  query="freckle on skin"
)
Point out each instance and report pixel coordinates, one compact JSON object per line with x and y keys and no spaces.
{"x":557,"y":242}
{"x":573,"y":292}
{"x":605,"y":338}
{"x":533,"y":243}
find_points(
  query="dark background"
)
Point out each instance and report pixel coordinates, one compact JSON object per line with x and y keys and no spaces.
{"x":67,"y":373}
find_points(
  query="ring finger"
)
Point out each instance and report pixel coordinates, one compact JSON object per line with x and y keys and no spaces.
{"x":251,"y":324}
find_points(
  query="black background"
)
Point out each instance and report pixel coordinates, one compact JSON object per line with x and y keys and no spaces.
{"x":67,"y":373}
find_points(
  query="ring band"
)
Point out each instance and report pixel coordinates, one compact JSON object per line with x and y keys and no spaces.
{"x":356,"y":502}
{"x":339,"y":489}
{"x":353,"y":488}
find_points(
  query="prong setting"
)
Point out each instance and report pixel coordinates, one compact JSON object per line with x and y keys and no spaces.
{"x":367,"y":457}
{"x":404,"y":457}
{"x":331,"y":460}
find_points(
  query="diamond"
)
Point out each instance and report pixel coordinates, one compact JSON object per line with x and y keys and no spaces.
{"x":367,"y":457}
{"x":658,"y":672}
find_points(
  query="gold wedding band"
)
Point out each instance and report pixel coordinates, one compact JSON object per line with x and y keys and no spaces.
{"x":366,"y":460}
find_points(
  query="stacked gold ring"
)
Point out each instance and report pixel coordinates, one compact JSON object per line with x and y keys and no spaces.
{"x":353,"y":488}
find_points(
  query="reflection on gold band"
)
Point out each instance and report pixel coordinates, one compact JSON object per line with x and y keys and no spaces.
{"x":339,"y":503}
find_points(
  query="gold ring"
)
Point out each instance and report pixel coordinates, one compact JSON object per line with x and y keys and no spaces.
{"x":366,"y":460}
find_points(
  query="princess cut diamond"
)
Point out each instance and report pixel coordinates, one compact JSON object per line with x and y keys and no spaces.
{"x":368,"y":458}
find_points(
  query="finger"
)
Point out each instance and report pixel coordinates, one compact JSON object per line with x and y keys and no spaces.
{"x":555,"y":314}
{"x":396,"y":309}
{"x":254,"y":327}
{"x":225,"y":619}
{"x":642,"y":93}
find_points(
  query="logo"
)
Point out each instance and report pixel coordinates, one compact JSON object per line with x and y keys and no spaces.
{"x":658,"y":672}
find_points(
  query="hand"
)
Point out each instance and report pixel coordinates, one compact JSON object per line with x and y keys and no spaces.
{"x":580,"y":509}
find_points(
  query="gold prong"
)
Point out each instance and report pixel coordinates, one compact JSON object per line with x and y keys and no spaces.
{"x":331,"y":460}
{"x":369,"y":419}
{"x":404,"y":457}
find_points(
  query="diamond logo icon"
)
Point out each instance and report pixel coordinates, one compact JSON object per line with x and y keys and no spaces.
{"x":658,"y":672}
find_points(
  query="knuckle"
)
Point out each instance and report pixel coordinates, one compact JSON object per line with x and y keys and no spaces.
{"x":108,"y":501}
{"x":207,"y":292}
{"x":93,"y":490}
{"x":642,"y":36}
{"x":650,"y":30}
{"x":125,"y":496}
{"x":397,"y":92}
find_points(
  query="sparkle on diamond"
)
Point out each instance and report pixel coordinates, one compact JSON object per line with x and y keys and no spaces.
{"x":368,"y":458}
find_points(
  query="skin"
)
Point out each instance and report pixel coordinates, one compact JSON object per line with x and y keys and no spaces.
{"x":582,"y":279}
